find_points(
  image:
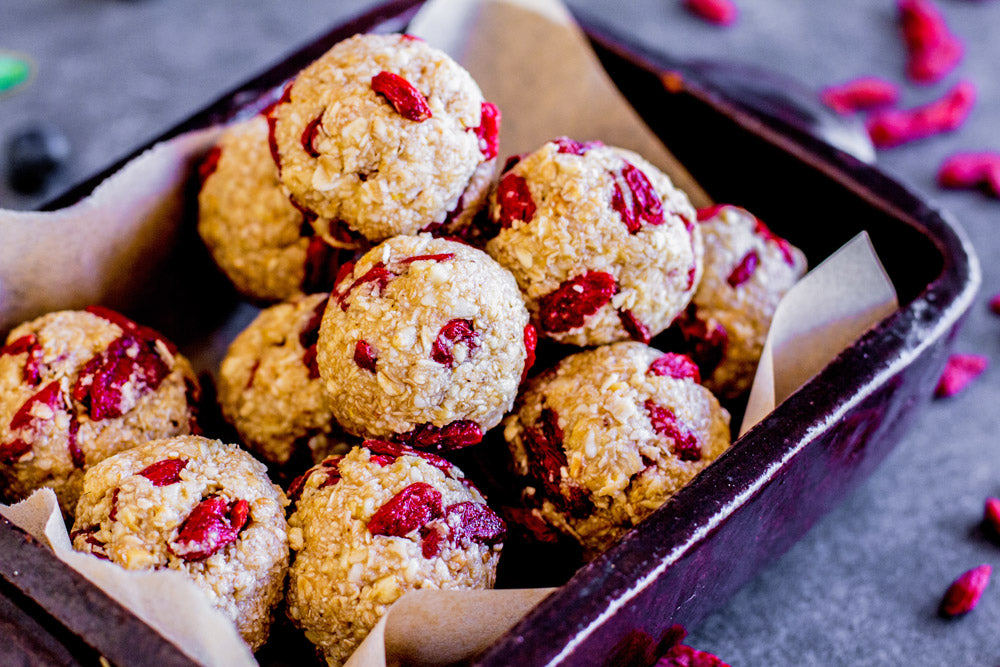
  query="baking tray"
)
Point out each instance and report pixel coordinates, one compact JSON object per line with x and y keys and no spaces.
{"x":742,"y":511}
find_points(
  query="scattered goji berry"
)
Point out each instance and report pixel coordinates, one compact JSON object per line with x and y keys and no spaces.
{"x":488,"y":131}
{"x":32,"y":372}
{"x":860,"y":95}
{"x":165,"y":472}
{"x":719,"y":12}
{"x":991,"y":515}
{"x":455,"y":435}
{"x":515,"y":200}
{"x":477,"y":523}
{"x":933,"y":50}
{"x":212,"y":525}
{"x":682,"y":655}
{"x":744,"y":269}
{"x":678,"y":366}
{"x":995,"y":303}
{"x":409,"y":102}
{"x":377,"y":274}
{"x":971,"y":170}
{"x":322,"y":261}
{"x":892,"y":127}
{"x":959,"y":371}
{"x":364,"y":355}
{"x":75,"y":453}
{"x":454,"y":332}
{"x":570,"y":304}
{"x":964,"y":593}
{"x":642,"y":202}
{"x":685,"y":443}
{"x":406,"y":511}
{"x":633,"y":327}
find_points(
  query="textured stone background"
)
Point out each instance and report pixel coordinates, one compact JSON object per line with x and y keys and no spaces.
{"x":862,"y":587}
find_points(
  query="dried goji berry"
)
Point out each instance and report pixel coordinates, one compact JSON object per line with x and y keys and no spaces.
{"x":364,"y":355}
{"x":719,"y":12}
{"x":763,"y":231}
{"x":971,"y":170}
{"x":933,"y":50}
{"x":377,"y":274}
{"x":209,"y":163}
{"x":113,"y":512}
{"x":642,"y":203}
{"x":432,"y":536}
{"x":165,"y":472}
{"x":991,"y":515}
{"x":101,"y":380}
{"x":573,"y":147}
{"x":75,"y":453}
{"x":893,"y":127}
{"x":309,"y":136}
{"x":685,"y":443}
{"x":678,"y":366}
{"x":406,"y":511}
{"x":959,"y":371}
{"x":477,"y":523}
{"x":744,"y":269}
{"x":511,"y":161}
{"x":575,"y":300}
{"x":964,"y":593}
{"x":706,"y":346}
{"x":531,"y":525}
{"x":309,"y":337}
{"x":143,"y":333}
{"x":514,"y":199}
{"x":455,"y":435}
{"x":212,"y":525}
{"x":530,"y":343}
{"x":13,"y":450}
{"x":395,"y":449}
{"x":546,"y":458}
{"x":860,"y":95}
{"x":329,"y":466}
{"x":633,"y":327}
{"x":50,"y":395}
{"x":440,"y":257}
{"x":408,"y":102}
{"x":709,"y":212}
{"x":454,"y":332}
{"x":32,"y":372}
{"x":488,"y":131}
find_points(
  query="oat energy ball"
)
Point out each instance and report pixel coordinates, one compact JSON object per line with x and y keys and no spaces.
{"x":372,"y":525}
{"x":268,"y":248}
{"x":79,"y":386}
{"x":387,"y":134}
{"x":748,"y":269}
{"x":425,"y":341}
{"x":610,"y":434}
{"x":197,"y":506}
{"x":602,"y":245}
{"x":269,"y":384}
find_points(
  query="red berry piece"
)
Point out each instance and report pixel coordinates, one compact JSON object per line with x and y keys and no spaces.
{"x":991,"y":516}
{"x":441,"y":257}
{"x":127,"y":361}
{"x":364,"y":355}
{"x":113,"y":513}
{"x":406,"y":511}
{"x":329,"y":466}
{"x":682,"y":655}
{"x":744,"y":269}
{"x":763,"y":231}
{"x":454,"y":332}
{"x":893,"y":127}
{"x":959,"y":371}
{"x":28,"y":417}
{"x":32,"y":373}
{"x":212,"y":525}
{"x":147,"y":334}
{"x":477,"y":523}
{"x":209,"y":163}
{"x":515,"y":200}
{"x":546,"y":458}
{"x":719,"y":12}
{"x":677,"y":366}
{"x":860,"y":95}
{"x":395,"y":449}
{"x":309,"y":134}
{"x":272,"y":121}
{"x":530,"y":343}
{"x":432,"y":537}
{"x":165,"y":472}
{"x":488,"y":131}
{"x":642,"y":202}
{"x":309,"y":336}
{"x":13,"y":450}
{"x":511,"y":162}
{"x":932,"y":49}
{"x":635,"y":329}
{"x":456,"y":435}
{"x":685,"y":443}
{"x":964,"y":593}
{"x":408,"y":102}
{"x":709,"y":212}
{"x":706,"y":346}
{"x":75,"y":453}
{"x":575,"y":300}
{"x":573,"y":147}
{"x":378,"y":274}
{"x":971,"y":170}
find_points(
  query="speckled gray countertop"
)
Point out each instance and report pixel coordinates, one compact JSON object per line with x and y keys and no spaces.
{"x":863,"y":586}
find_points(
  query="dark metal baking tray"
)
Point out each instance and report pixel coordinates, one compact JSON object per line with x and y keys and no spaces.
{"x":745,"y":509}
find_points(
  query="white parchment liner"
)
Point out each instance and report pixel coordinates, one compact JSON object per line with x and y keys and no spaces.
{"x":535,"y":64}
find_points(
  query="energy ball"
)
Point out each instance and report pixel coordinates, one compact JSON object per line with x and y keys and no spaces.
{"x":197,"y":506}
{"x":269,"y":249}
{"x":608,"y":435}
{"x":374,"y":524}
{"x":269,"y":384}
{"x":602,"y":245}
{"x":79,"y":386}
{"x":425,"y":341}
{"x":748,"y":269}
{"x":389,"y":135}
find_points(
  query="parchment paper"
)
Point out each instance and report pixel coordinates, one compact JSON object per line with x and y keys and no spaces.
{"x":535,"y":64}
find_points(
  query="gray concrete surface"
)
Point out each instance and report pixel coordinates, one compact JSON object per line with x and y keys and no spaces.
{"x":862,"y":587}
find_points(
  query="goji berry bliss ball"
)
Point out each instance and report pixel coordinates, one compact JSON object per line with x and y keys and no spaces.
{"x":424,"y":341}
{"x":269,"y":249}
{"x":608,"y":435}
{"x":748,"y":269}
{"x":374,"y":524}
{"x":601,"y":243}
{"x":388,"y":135}
{"x":79,"y":386}
{"x":269,"y":384}
{"x":198,"y":506}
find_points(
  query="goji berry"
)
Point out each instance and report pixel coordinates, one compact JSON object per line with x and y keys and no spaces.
{"x":308,"y":140}
{"x":642,"y":204}
{"x":455,"y":435}
{"x":959,"y":371}
{"x":406,"y":511}
{"x":933,"y":50}
{"x":719,"y":12}
{"x":546,"y":458}
{"x":685,"y":443}
{"x":488,"y":131}
{"x":209,"y":163}
{"x":569,"y":305}
{"x":212,"y":525}
{"x":893,"y":127}
{"x":971,"y":170}
{"x":454,"y":332}
{"x":573,"y":147}
{"x":364,"y":355}
{"x":964,"y":593}
{"x":530,"y":343}
{"x":409,"y":102}
{"x":165,"y":472}
{"x":860,"y":95}
{"x":633,"y":327}
{"x":744,"y":269}
{"x":515,"y":200}
{"x":677,"y":366}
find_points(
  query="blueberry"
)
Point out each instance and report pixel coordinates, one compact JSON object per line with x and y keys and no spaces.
{"x":34,"y":155}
